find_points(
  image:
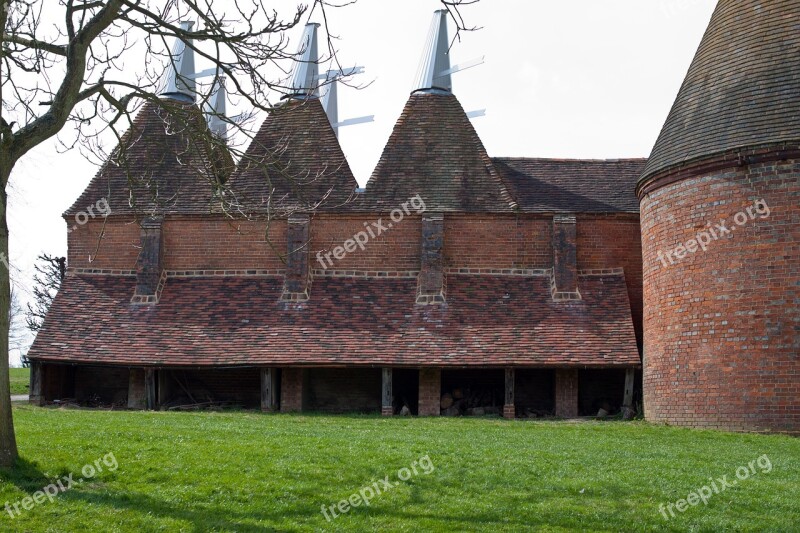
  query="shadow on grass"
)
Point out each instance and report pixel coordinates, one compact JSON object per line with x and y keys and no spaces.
{"x":25,"y":475}
{"x":201,"y":519}
{"x":305,"y":515}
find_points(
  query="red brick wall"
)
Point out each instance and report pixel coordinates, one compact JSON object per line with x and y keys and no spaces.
{"x":117,"y":249}
{"x":191,"y":244}
{"x":430,"y":380}
{"x":397,"y":248}
{"x":567,"y":393}
{"x":497,"y":241}
{"x":471,"y":241}
{"x":292,"y":384}
{"x":614,"y":241}
{"x":721,"y":341}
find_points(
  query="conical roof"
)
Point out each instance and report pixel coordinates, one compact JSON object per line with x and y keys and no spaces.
{"x":163,"y":164}
{"x":742,"y":89}
{"x":435,"y":152}
{"x":294,"y":162}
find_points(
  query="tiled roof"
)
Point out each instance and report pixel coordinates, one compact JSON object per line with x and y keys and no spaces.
{"x":162,"y":165}
{"x":742,"y":89}
{"x":435,"y":152}
{"x":572,"y":185}
{"x":294,"y":161}
{"x":488,"y":320}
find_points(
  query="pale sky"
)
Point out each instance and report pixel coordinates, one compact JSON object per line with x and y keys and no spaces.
{"x":562,"y":78}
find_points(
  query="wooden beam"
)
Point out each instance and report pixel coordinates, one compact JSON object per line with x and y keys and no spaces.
{"x":150,"y":389}
{"x":269,"y":389}
{"x":386,"y":392}
{"x":36,"y":397}
{"x":508,"y":408}
{"x":509,"y":386}
{"x":627,"y":400}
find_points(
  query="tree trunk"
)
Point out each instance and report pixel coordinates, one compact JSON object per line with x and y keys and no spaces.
{"x":8,"y":443}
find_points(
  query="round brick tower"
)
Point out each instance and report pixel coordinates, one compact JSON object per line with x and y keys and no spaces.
{"x":720,"y":215}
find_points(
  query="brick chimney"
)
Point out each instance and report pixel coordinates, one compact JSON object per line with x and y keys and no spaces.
{"x":564,"y":284}
{"x":431,"y":283}
{"x":297,"y":282}
{"x":149,"y":264}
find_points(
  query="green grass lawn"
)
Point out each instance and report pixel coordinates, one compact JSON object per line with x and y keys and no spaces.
{"x":246,"y":471}
{"x":20,"y":380}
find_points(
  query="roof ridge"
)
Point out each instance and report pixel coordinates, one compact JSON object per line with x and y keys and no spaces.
{"x":570,"y":160}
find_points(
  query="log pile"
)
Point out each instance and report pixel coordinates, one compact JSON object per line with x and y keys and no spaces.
{"x":466,"y":402}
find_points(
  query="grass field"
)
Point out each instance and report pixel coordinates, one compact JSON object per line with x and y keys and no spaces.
{"x":245,"y":471}
{"x":20,"y":380}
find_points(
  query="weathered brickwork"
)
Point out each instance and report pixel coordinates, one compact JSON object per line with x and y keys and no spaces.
{"x":612,"y":241}
{"x":188,"y":244}
{"x":498,"y":241}
{"x":721,"y":344}
{"x":430,"y":386}
{"x":218,"y":243}
{"x":396,"y":248}
{"x":118,"y":248}
{"x":298,"y":280}
{"x":292,"y":389}
{"x":567,"y":393}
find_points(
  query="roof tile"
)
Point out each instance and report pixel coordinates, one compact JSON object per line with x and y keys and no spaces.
{"x":435,"y":152}
{"x":488,"y":320}
{"x":742,"y":89}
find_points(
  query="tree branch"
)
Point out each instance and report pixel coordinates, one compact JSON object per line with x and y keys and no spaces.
{"x":57,"y":49}
{"x":50,"y":123}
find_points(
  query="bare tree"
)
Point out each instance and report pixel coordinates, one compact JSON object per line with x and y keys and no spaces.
{"x":50,"y":272}
{"x":93,"y":63}
{"x":16,"y":324}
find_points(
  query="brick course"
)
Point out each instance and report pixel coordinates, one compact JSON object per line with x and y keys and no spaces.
{"x":292,"y":384}
{"x":612,"y":241}
{"x":430,"y":386}
{"x":567,"y":393}
{"x":721,"y":343}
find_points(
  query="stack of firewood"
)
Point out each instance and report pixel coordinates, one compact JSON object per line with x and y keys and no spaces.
{"x":459,"y":402}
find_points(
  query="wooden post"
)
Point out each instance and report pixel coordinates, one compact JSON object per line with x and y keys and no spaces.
{"x":627,"y":400}
{"x":150,"y":388}
{"x":386,"y":395}
{"x":137,"y":397}
{"x":36,"y":397}
{"x":269,"y":389}
{"x":508,"y":408}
